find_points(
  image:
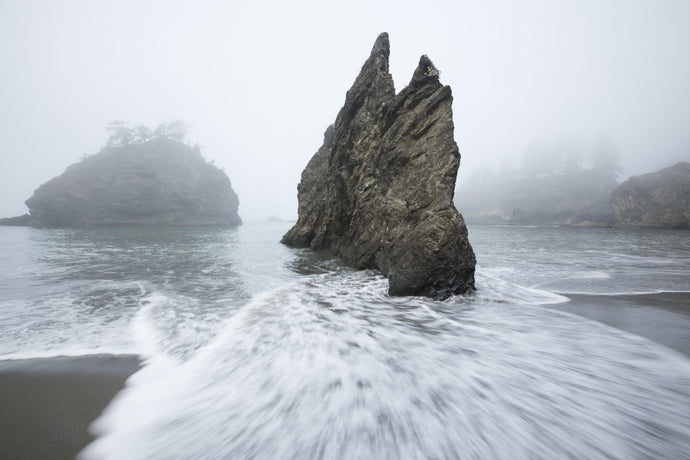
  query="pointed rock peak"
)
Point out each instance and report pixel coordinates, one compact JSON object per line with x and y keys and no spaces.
{"x":425,"y":71}
{"x":382,"y":45}
{"x":381,"y":51}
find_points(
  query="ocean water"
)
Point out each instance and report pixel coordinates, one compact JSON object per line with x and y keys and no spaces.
{"x":253,"y":350}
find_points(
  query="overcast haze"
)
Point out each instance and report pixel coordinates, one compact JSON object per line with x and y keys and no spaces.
{"x":259,"y":82}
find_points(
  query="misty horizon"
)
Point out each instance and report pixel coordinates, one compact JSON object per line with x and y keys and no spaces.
{"x":258,"y":85}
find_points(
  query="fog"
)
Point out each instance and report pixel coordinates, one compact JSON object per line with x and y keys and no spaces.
{"x":259,"y":82}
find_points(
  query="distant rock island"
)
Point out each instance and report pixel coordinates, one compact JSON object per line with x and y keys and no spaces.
{"x":157,"y":181}
{"x":580,"y":197}
{"x":379,"y":191}
{"x":660,"y":199}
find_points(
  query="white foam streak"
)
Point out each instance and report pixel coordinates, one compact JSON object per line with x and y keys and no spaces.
{"x":330,"y":367}
{"x":496,"y":289}
{"x":145,"y":328}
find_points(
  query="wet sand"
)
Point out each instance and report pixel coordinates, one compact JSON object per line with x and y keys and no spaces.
{"x":46,"y":405}
{"x":663,"y":318}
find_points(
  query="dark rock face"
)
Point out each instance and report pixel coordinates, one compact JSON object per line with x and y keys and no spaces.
{"x":19,"y":221}
{"x":660,"y":199}
{"x":159,"y":182}
{"x":379,"y":191}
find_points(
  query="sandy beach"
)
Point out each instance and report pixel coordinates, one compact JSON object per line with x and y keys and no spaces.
{"x":663,"y":318}
{"x":47,"y":405}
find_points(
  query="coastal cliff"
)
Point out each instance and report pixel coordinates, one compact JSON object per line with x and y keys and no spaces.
{"x":379,"y":191}
{"x":660,"y":199}
{"x":158,"y":182}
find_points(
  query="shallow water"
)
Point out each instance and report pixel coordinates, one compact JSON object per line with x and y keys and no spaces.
{"x":254,"y":350}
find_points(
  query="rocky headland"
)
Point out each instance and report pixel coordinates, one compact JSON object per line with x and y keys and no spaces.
{"x":161,"y":181}
{"x":656,"y":200}
{"x":379,"y":191}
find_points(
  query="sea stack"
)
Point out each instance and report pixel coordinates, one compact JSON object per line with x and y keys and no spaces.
{"x":158,"y":182}
{"x":379,"y":191}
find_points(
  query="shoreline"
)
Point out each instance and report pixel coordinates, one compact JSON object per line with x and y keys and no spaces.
{"x":662,"y":317}
{"x":48,"y":404}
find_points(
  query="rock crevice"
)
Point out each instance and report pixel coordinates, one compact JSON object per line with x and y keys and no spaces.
{"x":379,"y":191}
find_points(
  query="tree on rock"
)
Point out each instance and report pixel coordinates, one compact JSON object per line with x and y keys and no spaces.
{"x":121,"y":134}
{"x":142,"y":133}
{"x":175,"y":130}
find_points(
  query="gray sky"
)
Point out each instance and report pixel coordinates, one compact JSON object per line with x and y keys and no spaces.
{"x":259,"y":82}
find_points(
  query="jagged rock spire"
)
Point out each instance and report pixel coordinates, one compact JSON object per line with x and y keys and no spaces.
{"x":379,"y":191}
{"x":381,"y":51}
{"x":424,"y":71}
